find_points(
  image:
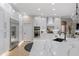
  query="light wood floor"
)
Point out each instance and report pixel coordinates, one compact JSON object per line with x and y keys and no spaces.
{"x":19,"y":50}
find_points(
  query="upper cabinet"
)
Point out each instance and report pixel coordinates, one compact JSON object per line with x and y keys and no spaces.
{"x":55,"y":23}
{"x":50,"y":21}
{"x":40,"y":21}
{"x":37,"y":21}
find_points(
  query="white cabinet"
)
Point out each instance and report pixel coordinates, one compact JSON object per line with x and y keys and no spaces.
{"x":37,"y":21}
{"x":55,"y":22}
{"x":41,"y":22}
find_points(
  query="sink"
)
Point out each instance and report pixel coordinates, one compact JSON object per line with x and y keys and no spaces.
{"x":59,"y":39}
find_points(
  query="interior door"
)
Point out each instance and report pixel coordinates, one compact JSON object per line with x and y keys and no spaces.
{"x":27,"y":31}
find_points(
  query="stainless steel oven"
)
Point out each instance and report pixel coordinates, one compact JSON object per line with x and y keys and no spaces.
{"x":36,"y":31}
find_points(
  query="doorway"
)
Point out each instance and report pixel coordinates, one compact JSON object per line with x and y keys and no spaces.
{"x":64,"y":29}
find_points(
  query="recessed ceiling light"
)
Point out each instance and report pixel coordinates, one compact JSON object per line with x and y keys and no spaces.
{"x":24,"y":13}
{"x":53,"y":9}
{"x":13,"y":11}
{"x":53,"y":3}
{"x":54,"y":14}
{"x":72,"y":14}
{"x":14,"y":3}
{"x":38,"y":9}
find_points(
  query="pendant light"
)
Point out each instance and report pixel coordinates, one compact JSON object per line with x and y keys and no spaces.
{"x":76,"y":15}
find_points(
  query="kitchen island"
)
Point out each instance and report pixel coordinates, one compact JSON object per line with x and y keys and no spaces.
{"x":49,"y":47}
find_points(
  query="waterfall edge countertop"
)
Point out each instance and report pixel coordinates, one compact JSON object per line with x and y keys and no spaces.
{"x":48,"y":47}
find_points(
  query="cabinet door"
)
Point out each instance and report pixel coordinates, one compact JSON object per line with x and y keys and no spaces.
{"x":37,"y":21}
{"x":43,"y":24}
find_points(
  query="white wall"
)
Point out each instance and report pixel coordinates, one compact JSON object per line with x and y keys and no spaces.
{"x":20,"y":29}
{"x":1,"y":31}
{"x":27,"y":28}
{"x":6,"y":12}
{"x":4,"y":30}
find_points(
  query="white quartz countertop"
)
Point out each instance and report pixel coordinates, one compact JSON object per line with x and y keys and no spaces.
{"x":48,"y":47}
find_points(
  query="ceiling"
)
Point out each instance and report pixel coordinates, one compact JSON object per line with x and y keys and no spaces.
{"x":46,"y":9}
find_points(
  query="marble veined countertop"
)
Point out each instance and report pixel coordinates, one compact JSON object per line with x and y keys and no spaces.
{"x":48,"y":47}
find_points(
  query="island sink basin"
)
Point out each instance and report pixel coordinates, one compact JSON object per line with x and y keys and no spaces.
{"x":59,"y":39}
